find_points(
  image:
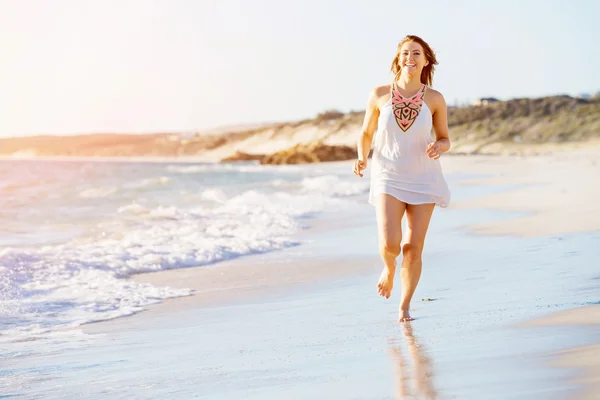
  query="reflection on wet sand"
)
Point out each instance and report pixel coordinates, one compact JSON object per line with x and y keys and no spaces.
{"x":418,"y":370}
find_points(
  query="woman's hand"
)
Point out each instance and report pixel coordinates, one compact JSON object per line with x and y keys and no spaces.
{"x":433,"y":150}
{"x":359,"y":165}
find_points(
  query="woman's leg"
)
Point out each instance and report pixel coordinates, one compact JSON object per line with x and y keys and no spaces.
{"x":417,"y":217}
{"x":389,"y":227}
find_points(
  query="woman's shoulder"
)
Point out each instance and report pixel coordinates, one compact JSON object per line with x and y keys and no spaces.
{"x":434,"y":94}
{"x":435,"y":98}
{"x":379,"y":95}
{"x":381,"y":91}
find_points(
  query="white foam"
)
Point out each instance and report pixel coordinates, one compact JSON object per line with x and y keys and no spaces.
{"x":133,"y":208}
{"x":102,"y":192}
{"x":214,"y":194}
{"x":144,"y":183}
{"x":45,"y":289}
{"x":86,"y":280}
{"x":280,"y":183}
{"x":241,"y":167}
{"x":94,"y":193}
{"x":188,"y":169}
{"x":332,"y":185}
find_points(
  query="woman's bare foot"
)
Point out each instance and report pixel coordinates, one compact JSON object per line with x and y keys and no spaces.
{"x":405,"y":316}
{"x":386,"y":282}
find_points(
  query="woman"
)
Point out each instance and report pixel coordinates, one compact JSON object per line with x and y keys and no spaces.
{"x":406,"y":175}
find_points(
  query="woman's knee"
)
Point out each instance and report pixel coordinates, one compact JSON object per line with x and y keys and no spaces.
{"x":390,"y":246}
{"x":412,"y":252}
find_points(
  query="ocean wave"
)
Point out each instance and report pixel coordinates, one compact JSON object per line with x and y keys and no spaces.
{"x":214,"y":194}
{"x":85,"y":280}
{"x":133,"y":208}
{"x":161,"y":180}
{"x":96,"y":193}
{"x":131,"y":229}
{"x":189,"y":169}
{"x":229,"y":167}
{"x":333,"y":185}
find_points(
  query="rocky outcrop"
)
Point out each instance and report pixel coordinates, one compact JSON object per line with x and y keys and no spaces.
{"x":310,"y":153}
{"x":241,"y":156}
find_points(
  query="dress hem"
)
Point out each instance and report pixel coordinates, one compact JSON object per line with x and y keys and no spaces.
{"x":438,"y":203}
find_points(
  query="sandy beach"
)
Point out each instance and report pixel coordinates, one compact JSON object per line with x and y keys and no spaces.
{"x":558,"y":190}
{"x":305,"y":322}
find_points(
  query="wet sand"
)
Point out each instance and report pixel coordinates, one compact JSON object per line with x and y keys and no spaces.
{"x":585,"y":359}
{"x":236,"y":282}
{"x":561,"y":195}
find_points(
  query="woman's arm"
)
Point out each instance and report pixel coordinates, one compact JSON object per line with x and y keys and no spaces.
{"x":368,"y":127}
{"x":440,"y":127}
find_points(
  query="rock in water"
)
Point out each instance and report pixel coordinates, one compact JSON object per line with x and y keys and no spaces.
{"x":310,"y":153}
{"x":240,"y":156}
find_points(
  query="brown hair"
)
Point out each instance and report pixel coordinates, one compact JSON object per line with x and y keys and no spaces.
{"x":427,"y":73}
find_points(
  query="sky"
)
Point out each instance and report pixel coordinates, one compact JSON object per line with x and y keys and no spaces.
{"x":132,"y":66}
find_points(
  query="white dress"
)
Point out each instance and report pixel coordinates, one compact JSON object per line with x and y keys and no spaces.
{"x":400,"y":166}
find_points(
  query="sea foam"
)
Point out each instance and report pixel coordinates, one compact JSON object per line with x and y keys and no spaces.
{"x":44,"y":289}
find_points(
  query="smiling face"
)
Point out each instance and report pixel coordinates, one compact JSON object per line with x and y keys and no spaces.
{"x":412,"y":58}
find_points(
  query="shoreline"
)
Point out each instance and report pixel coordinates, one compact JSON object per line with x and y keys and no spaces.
{"x":254,"y":281}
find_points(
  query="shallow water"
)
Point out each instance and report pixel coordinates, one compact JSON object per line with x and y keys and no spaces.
{"x":72,"y":232}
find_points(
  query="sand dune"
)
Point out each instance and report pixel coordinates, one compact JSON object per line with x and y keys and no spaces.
{"x":518,"y":126}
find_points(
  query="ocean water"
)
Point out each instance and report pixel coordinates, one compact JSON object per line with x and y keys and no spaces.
{"x":72,"y":232}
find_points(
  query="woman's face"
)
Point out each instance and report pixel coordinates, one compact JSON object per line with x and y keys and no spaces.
{"x":412,"y":58}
